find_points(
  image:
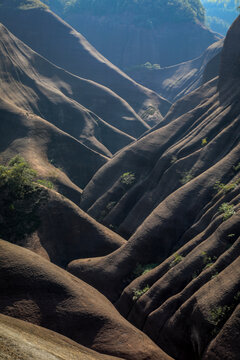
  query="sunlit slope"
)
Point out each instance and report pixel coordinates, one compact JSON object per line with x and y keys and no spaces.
{"x":65,"y":47}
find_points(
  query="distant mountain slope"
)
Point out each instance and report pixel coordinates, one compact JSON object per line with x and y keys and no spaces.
{"x":131,"y":32}
{"x":65,"y":47}
{"x":32,"y":83}
{"x":175,"y":81}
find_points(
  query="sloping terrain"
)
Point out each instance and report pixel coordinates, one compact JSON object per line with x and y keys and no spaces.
{"x":43,"y":294}
{"x":131,"y":33}
{"x":176,"y":194}
{"x":37,"y":86}
{"x":176,"y":81}
{"x":22,"y":340}
{"x":62,"y":45}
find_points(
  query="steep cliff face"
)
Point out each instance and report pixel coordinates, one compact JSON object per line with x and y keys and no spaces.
{"x":180,"y":207}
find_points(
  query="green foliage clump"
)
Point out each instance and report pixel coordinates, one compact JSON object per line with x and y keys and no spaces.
{"x":128,"y":178}
{"x":227,"y":210}
{"x":208,"y":260}
{"x":237,"y":167}
{"x":204,"y":141}
{"x":146,"y":66}
{"x":45,"y":183}
{"x":225,"y":188}
{"x":219,"y":314}
{"x":20,"y":198}
{"x":139,"y":292}
{"x":186,"y":177}
{"x":173,"y":159}
{"x":176,"y":260}
{"x":142,"y":269}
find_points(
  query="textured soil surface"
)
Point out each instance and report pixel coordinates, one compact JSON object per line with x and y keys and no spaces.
{"x":134,"y":241}
{"x":182,"y":212}
{"x":22,"y":340}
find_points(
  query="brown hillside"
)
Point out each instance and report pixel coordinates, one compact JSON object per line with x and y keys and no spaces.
{"x":32,"y":83}
{"x":49,"y":150}
{"x":46,"y":295}
{"x":183,"y":212}
{"x":65,"y":47}
{"x":22,"y":340}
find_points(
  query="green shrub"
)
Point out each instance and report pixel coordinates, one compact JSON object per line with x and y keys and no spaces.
{"x":225,"y":188}
{"x":218,"y":314}
{"x":20,"y":198}
{"x":139,"y":292}
{"x":208,"y":260}
{"x":143,"y":269}
{"x":227,"y":210}
{"x":110,"y":205}
{"x":151,"y":110}
{"x":176,"y":260}
{"x":237,"y":167}
{"x":186,"y":177}
{"x":173,"y":159}
{"x":128,"y":178}
{"x":204,"y":141}
{"x":45,"y":183}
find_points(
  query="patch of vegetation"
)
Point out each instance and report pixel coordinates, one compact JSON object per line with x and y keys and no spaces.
{"x":146,"y":66}
{"x":106,"y":211}
{"x":151,"y":110}
{"x":208,"y":260}
{"x":176,"y":260}
{"x":143,"y":269}
{"x":46,"y":183}
{"x":227,"y":210}
{"x":186,"y":177}
{"x":219,"y":314}
{"x":215,"y":274}
{"x":139,"y":292}
{"x":110,"y":205}
{"x":225,"y":188}
{"x":20,"y":198}
{"x":204,"y":141}
{"x":128,"y":178}
{"x":173,"y":159}
{"x":237,"y":167}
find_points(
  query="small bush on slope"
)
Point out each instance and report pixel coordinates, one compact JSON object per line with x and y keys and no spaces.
{"x":20,"y":198}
